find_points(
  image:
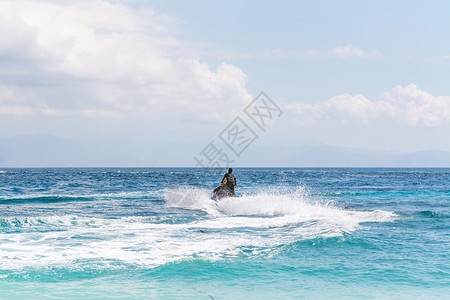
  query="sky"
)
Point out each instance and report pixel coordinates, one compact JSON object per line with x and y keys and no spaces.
{"x":356,"y":74}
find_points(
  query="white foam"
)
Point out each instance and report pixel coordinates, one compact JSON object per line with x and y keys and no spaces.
{"x":230,"y":227}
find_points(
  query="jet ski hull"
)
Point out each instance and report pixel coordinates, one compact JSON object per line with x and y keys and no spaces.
{"x":221,"y":192}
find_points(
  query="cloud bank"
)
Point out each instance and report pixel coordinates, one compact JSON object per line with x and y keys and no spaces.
{"x":99,"y":59}
{"x":347,"y":51}
{"x":353,"y":51}
{"x":406,"y":105}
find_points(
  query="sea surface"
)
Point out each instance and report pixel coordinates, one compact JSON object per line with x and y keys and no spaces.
{"x":136,"y":233}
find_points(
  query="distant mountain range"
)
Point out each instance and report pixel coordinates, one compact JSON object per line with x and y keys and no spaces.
{"x":51,"y":151}
{"x":329,"y":156}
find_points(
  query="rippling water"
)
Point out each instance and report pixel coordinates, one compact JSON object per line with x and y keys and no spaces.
{"x":290,"y":234}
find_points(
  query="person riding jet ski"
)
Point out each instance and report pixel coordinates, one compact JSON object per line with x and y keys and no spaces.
{"x":226,"y":189}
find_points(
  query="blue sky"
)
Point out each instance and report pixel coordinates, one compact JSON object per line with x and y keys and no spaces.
{"x":407,"y":34}
{"x":365,"y":74}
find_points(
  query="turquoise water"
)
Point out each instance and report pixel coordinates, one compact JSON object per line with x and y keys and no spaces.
{"x":290,"y":234}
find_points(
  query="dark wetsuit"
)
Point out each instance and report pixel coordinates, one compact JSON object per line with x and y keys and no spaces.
{"x":230,"y":181}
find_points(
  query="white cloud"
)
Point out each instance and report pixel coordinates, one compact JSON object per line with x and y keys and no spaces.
{"x":438,"y":59}
{"x":407,"y":105}
{"x":290,"y":53}
{"x":353,"y":51}
{"x":12,"y":103}
{"x":99,"y":59}
{"x":339,"y":52}
{"x":277,"y":53}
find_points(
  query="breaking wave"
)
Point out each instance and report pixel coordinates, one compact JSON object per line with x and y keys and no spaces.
{"x":250,"y":225}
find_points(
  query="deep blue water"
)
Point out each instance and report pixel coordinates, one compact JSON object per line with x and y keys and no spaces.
{"x":134,"y":233}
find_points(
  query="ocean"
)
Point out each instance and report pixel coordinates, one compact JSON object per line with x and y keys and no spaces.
{"x":291,"y":233}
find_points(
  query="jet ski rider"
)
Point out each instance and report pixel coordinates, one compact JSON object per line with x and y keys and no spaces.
{"x":229,"y":180}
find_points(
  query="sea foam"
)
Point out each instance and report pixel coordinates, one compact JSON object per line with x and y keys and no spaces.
{"x":249,"y":225}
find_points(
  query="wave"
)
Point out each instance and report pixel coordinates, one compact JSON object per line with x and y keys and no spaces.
{"x":273,"y":202}
{"x":261,"y":224}
{"x":48,"y":222}
{"x":44,"y":199}
{"x":37,"y":198}
{"x":63,"y":222}
{"x":285,"y":215}
{"x":431,"y":214}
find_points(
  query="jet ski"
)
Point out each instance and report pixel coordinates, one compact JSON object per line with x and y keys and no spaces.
{"x":222,"y":191}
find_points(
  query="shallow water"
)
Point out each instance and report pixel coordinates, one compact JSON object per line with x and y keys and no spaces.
{"x":290,"y":234}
